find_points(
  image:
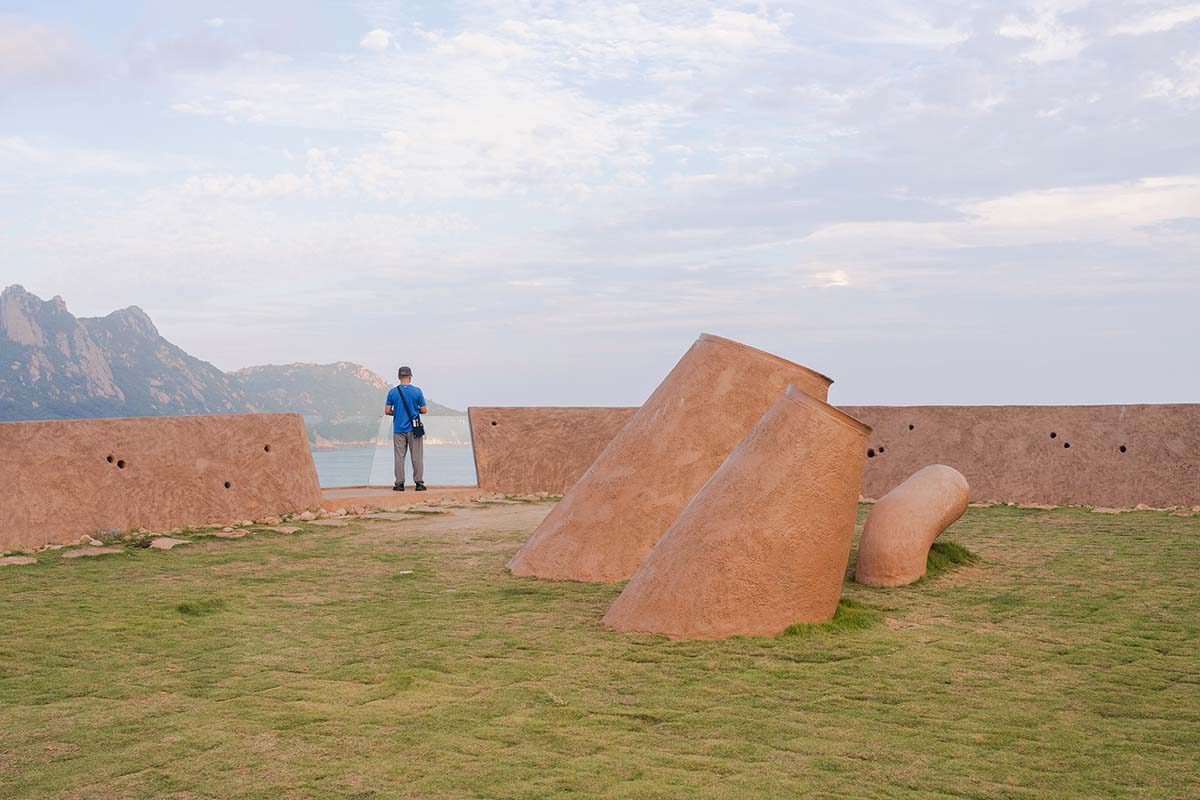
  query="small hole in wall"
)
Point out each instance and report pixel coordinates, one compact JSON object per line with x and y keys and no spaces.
{"x":871,"y":453}
{"x":493,"y":423}
{"x":110,"y":459}
{"x":1053,"y":435}
{"x":121,"y":464}
{"x":1066,"y":445}
{"x":880,"y":449}
{"x":266,"y":448}
{"x":911,"y":426}
{"x":1121,"y":448}
{"x":228,"y":484}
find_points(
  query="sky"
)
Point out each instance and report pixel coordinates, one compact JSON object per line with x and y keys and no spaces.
{"x":536,"y":202}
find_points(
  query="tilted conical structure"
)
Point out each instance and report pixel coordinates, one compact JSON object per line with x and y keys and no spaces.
{"x":765,"y":542}
{"x":608,"y":522}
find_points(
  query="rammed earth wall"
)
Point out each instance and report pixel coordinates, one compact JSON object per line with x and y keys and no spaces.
{"x":1115,"y":455}
{"x":62,"y":479}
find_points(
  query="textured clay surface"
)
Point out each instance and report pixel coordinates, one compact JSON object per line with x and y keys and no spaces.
{"x":765,"y":542}
{"x":530,"y":450}
{"x":903,"y":524}
{"x":1006,"y":452}
{"x":1060,"y":455}
{"x":62,"y":479}
{"x":608,"y":522}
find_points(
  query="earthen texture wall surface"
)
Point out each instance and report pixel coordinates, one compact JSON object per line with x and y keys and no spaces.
{"x":62,"y":479}
{"x":608,"y":521}
{"x":1064,"y":455}
{"x":530,"y":450}
{"x":1005,"y":452}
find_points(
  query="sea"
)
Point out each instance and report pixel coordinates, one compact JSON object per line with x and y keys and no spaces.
{"x":371,"y":465}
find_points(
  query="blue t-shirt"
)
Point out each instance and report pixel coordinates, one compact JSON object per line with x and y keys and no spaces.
{"x":402,"y":417}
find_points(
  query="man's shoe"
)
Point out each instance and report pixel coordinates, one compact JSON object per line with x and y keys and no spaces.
{"x":399,"y":487}
{"x":421,"y":487}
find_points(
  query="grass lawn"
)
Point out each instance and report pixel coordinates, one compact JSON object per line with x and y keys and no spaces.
{"x":399,"y":659}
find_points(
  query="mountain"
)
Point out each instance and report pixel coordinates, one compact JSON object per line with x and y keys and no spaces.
{"x":56,"y":366}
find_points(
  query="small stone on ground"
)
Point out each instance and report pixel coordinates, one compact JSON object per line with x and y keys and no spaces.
{"x":332,"y":523}
{"x":284,"y":529}
{"x":228,"y":534}
{"x":16,"y":561}
{"x":166,"y":543}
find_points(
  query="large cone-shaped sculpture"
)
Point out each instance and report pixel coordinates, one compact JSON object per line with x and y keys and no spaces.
{"x":614,"y":515}
{"x":765,"y":542}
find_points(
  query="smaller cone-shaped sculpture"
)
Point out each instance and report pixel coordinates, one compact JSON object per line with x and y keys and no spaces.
{"x":765,"y":542}
{"x":611,"y":518}
{"x":903,"y":524}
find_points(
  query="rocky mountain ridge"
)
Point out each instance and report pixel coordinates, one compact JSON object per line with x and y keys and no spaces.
{"x":54,"y":365}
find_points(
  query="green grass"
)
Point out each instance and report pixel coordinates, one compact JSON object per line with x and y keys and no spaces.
{"x":400,"y":660}
{"x":851,"y":615}
{"x":946,"y":556}
{"x":201,"y":607}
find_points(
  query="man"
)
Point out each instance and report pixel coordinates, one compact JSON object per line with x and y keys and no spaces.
{"x":404,"y":402}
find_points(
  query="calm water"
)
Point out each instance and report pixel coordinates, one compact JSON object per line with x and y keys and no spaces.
{"x":371,"y":465}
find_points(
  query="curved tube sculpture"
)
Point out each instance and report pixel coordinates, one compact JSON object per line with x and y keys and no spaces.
{"x":766,"y":541}
{"x":607,"y":523}
{"x":903,"y":524}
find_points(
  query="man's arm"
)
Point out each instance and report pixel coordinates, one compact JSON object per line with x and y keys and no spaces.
{"x":389,"y":410}
{"x":424,"y":409}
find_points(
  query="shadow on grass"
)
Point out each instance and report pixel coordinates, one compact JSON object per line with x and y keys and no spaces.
{"x":202,"y":607}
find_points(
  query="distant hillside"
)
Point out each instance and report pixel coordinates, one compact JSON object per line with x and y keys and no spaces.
{"x":56,"y":366}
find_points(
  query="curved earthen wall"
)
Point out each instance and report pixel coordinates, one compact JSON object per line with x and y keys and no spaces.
{"x":1007,"y":453}
{"x":719,"y":571}
{"x":62,"y":479}
{"x":656,"y":463}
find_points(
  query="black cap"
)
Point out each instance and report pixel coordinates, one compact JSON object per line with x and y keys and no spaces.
{"x":405,"y":372}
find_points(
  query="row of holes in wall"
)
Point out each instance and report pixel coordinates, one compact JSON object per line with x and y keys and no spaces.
{"x":120,"y":462}
{"x":878,"y":451}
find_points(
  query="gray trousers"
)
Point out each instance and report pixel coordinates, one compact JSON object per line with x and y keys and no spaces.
{"x":405,"y":442}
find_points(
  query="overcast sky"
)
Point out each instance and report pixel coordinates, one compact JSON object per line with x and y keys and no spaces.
{"x":544,"y":202}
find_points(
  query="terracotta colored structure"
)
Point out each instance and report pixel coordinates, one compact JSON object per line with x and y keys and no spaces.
{"x":608,"y":522}
{"x":765,"y":542}
{"x":1119,"y":456}
{"x":902,"y":526}
{"x":554,"y":446}
{"x":63,"y":479}
{"x":1061,"y":455}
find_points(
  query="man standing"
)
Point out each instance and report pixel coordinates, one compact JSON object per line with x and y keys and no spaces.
{"x":404,"y":403}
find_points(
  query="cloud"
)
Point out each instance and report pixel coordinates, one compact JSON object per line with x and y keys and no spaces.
{"x":35,"y":53}
{"x":214,"y":22}
{"x":377,"y":40}
{"x":19,"y":155}
{"x":1052,"y":39}
{"x":1159,"y":22}
{"x":1184,"y":85}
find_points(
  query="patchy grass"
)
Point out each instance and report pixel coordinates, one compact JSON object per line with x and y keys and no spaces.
{"x":946,"y":556}
{"x":851,"y":615}
{"x":200,"y":608}
{"x":400,"y":660}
